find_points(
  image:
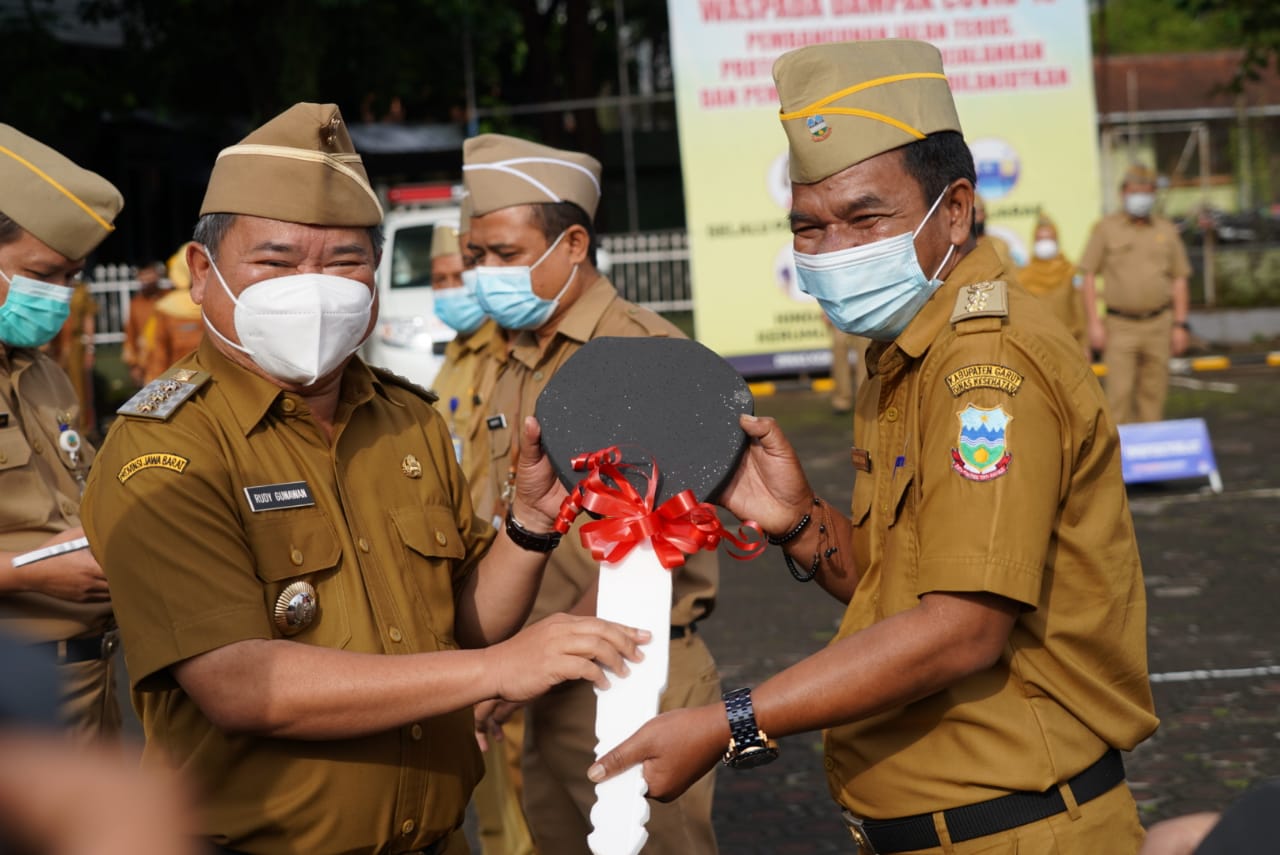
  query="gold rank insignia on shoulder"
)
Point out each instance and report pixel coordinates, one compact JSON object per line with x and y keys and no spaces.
{"x":295,"y":608}
{"x":160,"y":398}
{"x":982,"y":300}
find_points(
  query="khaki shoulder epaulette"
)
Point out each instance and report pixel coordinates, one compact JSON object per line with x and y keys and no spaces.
{"x":395,"y":379}
{"x":981,"y":300}
{"x":160,"y":399}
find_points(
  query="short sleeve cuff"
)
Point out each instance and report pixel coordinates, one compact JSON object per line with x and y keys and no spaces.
{"x":981,"y":574}
{"x":192,"y":639}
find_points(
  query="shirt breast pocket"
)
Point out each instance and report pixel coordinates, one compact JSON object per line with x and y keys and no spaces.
{"x":301,"y":546}
{"x":24,"y":499}
{"x":432,"y":548}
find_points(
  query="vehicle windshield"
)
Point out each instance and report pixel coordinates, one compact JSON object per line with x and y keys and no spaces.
{"x":411,"y":257}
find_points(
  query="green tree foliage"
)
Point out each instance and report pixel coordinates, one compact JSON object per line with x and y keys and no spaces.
{"x":1165,"y":26}
{"x":1257,"y":28}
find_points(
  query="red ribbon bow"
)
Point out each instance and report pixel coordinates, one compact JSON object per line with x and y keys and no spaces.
{"x":678,"y":527}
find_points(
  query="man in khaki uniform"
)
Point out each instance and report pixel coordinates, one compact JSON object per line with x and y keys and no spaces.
{"x":465,"y":378}
{"x":302,"y":586}
{"x":1144,"y":268}
{"x":52,"y":215}
{"x":992,"y":657}
{"x":531,"y":233}
{"x":141,"y":306}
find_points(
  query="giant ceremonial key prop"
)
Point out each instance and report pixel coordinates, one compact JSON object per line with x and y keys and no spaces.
{"x":642,"y":431}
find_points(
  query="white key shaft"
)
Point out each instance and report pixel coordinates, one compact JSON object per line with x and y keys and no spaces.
{"x":637,"y":592}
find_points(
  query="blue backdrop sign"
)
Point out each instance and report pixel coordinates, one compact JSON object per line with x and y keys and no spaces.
{"x":1167,"y":451}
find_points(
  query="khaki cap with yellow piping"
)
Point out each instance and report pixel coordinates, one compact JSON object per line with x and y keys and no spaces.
{"x":444,"y":240}
{"x":68,"y":208}
{"x":300,"y":167}
{"x":846,"y":102}
{"x":502,"y":172}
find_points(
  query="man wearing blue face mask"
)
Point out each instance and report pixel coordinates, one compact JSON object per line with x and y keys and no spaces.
{"x":1144,"y":268}
{"x":991,"y":663}
{"x":53,"y":213}
{"x":534,"y":243}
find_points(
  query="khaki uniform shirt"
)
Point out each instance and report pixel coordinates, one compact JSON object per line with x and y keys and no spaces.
{"x":1048,"y":527}
{"x":598,"y":312}
{"x":1054,"y":282}
{"x":39,"y":490}
{"x":140,"y":308}
{"x":467,"y":376}
{"x":193,"y":567}
{"x":1137,"y":260}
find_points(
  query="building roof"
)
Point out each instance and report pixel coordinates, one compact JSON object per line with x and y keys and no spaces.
{"x":1182,"y":85}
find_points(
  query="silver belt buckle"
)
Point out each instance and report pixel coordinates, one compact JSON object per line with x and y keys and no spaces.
{"x":859,"y":833}
{"x":110,"y":642}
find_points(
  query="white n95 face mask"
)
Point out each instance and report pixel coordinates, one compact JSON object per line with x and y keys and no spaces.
{"x":301,"y":327}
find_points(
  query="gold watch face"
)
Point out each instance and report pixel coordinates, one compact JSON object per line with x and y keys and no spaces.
{"x":752,"y":756}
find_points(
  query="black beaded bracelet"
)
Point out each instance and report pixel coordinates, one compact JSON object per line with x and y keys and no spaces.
{"x":795,"y":571}
{"x":791,"y":535}
{"x":530,"y":540}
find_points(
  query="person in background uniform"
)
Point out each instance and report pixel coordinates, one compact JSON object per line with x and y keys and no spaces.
{"x":532,"y":236}
{"x":1144,"y":267}
{"x":980,"y":232}
{"x":174,"y":328}
{"x":72,"y":348}
{"x":1052,"y":278}
{"x":458,"y":384}
{"x":141,"y":305}
{"x":309,"y":605}
{"x":992,"y":656}
{"x":53,"y":214}
{"x":846,"y":377}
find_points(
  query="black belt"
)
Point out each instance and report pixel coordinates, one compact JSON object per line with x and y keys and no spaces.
{"x":1137,"y":316}
{"x":678,"y":632}
{"x":886,"y":836}
{"x":87,"y":649}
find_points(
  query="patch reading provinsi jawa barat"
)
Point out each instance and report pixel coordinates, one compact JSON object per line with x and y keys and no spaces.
{"x":984,"y":376}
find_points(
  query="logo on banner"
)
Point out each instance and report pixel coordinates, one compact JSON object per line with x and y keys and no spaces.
{"x":997,"y":166}
{"x":982,"y":451}
{"x":819,"y":130}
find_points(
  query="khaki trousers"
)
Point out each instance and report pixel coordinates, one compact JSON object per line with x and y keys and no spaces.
{"x":1137,"y":360}
{"x":88,"y":704}
{"x":560,"y":746}
{"x":1108,"y":825}
{"x":503,"y":830}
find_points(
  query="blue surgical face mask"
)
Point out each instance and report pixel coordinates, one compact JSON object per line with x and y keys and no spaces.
{"x":872,"y":290}
{"x":33,"y":312}
{"x":506,"y":294}
{"x":458,"y":307}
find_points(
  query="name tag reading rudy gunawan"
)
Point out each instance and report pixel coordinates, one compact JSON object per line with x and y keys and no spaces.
{"x":277,"y":497}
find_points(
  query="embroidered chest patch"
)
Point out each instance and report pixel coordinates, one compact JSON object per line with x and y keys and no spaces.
{"x":982,"y":452}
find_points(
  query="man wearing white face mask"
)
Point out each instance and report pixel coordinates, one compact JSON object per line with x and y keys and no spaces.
{"x":53,"y":213}
{"x":309,"y":604}
{"x":1144,"y":267}
{"x":992,"y":656}
{"x":532,"y":236}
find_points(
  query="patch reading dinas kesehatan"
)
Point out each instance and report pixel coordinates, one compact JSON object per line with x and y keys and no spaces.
{"x":156,"y":460}
{"x":984,"y":375}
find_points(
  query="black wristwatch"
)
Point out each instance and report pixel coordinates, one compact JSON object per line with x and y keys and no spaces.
{"x":530,"y":540}
{"x":749,"y":746}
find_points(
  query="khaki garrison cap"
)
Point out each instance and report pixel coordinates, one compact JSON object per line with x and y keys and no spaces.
{"x":444,"y":240}
{"x":465,"y":214}
{"x":846,"y":102}
{"x":1139,"y":173}
{"x":300,"y":167}
{"x":502,"y":172}
{"x":69,"y":209}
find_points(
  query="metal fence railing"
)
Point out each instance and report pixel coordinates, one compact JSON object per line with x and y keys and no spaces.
{"x":112,"y":285}
{"x":651,"y":268}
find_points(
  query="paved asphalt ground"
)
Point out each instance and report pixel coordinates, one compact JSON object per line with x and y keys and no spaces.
{"x":1212,"y":569}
